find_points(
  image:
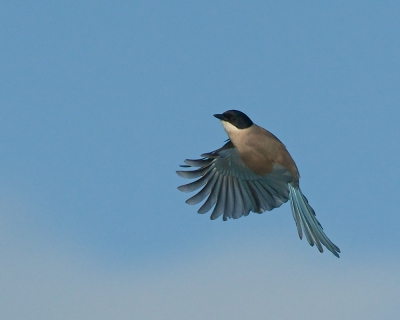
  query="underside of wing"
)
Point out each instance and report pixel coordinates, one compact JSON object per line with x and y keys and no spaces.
{"x":230,"y":187}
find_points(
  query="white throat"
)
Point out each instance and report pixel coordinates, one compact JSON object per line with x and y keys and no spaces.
{"x":229,"y":128}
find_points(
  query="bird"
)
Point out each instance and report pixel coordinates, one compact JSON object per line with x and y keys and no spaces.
{"x":251,"y":172}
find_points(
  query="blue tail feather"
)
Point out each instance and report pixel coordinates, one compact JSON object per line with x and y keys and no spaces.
{"x":306,"y":221}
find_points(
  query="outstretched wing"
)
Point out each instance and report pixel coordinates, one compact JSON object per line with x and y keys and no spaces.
{"x":230,"y":186}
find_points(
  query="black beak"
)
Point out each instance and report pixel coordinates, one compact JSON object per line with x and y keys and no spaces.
{"x":220,"y":116}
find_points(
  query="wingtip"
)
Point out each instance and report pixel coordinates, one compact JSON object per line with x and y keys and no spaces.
{"x":182,"y":174}
{"x":190,"y":201}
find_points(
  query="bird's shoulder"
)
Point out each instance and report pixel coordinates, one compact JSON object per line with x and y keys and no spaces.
{"x":257,"y":133}
{"x":257,"y":139}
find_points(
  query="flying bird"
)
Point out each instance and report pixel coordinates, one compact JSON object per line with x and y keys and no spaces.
{"x":252,"y":171}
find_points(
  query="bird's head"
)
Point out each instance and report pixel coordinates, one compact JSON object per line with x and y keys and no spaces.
{"x":235,"y":118}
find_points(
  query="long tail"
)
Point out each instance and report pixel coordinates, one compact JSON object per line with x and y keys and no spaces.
{"x":305,"y":219}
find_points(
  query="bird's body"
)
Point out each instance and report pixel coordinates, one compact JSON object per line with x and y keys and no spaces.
{"x":253,"y":171}
{"x":260,"y":150}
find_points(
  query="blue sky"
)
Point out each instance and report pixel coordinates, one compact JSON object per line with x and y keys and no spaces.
{"x":101,"y":101}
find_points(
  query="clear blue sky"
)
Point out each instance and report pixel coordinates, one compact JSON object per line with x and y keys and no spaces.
{"x":101,"y":101}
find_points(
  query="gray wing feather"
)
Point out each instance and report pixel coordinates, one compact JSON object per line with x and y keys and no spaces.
{"x":249,"y":203}
{"x":230,"y":202}
{"x":213,"y":197}
{"x":220,"y":205}
{"x":198,"y":162}
{"x":196,"y":184}
{"x":200,"y":196}
{"x":240,"y":207}
{"x":194,"y":174}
